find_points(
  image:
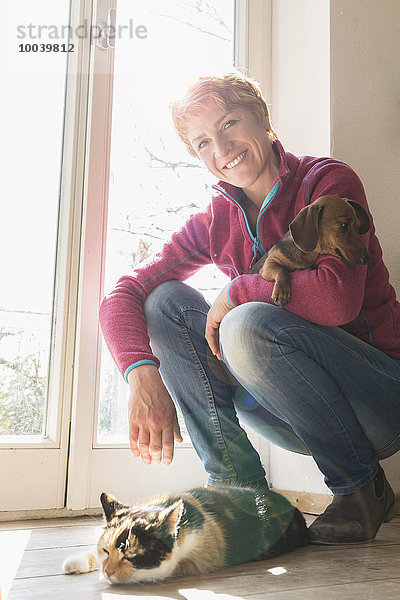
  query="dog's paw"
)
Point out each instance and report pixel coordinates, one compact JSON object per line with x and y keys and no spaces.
{"x":79,"y":563}
{"x":281,"y":294}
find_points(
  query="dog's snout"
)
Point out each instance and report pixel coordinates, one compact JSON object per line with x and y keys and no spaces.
{"x":353,"y":257}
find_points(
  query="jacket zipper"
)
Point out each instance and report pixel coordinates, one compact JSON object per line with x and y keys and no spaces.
{"x":257,"y":246}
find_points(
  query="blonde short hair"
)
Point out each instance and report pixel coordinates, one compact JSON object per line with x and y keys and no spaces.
{"x":229,"y":91}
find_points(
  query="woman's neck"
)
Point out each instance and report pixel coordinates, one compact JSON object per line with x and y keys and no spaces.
{"x":256,"y":194}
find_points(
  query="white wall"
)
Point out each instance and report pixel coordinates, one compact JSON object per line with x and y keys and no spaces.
{"x":336,"y":91}
{"x":365,"y":108}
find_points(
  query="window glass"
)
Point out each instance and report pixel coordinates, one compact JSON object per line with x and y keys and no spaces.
{"x":32,"y":114}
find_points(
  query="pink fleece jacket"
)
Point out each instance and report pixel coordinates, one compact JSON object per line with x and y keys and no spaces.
{"x":359,"y":299}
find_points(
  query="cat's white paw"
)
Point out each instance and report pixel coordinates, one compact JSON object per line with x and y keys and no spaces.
{"x":79,"y":563}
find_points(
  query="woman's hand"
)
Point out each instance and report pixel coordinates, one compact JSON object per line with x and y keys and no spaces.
{"x":153,"y":422}
{"x":215,"y":315}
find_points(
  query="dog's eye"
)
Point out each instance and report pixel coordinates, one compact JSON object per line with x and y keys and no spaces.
{"x":345,"y":226}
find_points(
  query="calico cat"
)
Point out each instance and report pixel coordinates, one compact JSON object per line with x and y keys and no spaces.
{"x":193,"y":532}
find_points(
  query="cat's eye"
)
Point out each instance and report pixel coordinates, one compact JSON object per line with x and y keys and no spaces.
{"x":105,"y":551}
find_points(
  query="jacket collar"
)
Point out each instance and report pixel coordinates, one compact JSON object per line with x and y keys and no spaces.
{"x":234,"y":192}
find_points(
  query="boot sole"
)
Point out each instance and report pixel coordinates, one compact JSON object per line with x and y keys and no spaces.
{"x":391,"y":513}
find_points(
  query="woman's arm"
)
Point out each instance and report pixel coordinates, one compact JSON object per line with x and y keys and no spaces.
{"x":121,"y":313}
{"x":153,"y":423}
{"x":329,"y":294}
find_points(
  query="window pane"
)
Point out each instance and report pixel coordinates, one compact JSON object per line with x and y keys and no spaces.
{"x":155,"y":185}
{"x":32,"y":111}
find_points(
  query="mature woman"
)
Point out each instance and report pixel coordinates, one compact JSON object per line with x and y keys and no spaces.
{"x":321,"y":377}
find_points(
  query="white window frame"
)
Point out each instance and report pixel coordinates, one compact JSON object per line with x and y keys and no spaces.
{"x":253,"y":40}
{"x":34,"y":467}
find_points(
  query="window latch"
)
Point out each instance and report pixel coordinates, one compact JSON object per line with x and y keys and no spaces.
{"x":106,"y":31}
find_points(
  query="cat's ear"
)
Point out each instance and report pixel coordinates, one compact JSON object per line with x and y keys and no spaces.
{"x":171,"y":516}
{"x":110,"y":505}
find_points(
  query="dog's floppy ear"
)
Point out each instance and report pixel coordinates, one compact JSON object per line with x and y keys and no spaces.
{"x":362,"y":216}
{"x":304,"y":228}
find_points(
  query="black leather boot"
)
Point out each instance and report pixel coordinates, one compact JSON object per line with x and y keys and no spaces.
{"x":356,"y":517}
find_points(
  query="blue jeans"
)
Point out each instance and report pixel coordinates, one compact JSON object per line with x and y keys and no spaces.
{"x":305,"y":387}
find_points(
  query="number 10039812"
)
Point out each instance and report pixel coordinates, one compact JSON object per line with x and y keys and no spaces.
{"x":46,"y":48}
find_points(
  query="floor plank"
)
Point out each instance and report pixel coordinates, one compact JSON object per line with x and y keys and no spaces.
{"x":366,"y":571}
{"x":49,"y":523}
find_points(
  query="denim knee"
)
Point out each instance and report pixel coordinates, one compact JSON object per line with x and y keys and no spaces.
{"x":244,"y":344}
{"x":160,"y":298}
{"x":168,"y":301}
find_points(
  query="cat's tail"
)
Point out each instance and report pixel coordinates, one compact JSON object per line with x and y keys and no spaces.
{"x":80,"y":563}
{"x":295,"y":536}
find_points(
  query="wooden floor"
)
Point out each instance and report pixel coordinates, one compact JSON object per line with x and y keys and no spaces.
{"x":32,"y":554}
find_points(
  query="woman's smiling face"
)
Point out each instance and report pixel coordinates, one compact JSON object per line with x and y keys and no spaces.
{"x":233,"y":144}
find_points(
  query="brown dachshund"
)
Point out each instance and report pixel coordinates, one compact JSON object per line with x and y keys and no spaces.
{"x":331,"y":225}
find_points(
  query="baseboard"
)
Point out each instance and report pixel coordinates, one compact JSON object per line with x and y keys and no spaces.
{"x":307,"y":502}
{"x":56,"y":513}
{"x":315,"y":504}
